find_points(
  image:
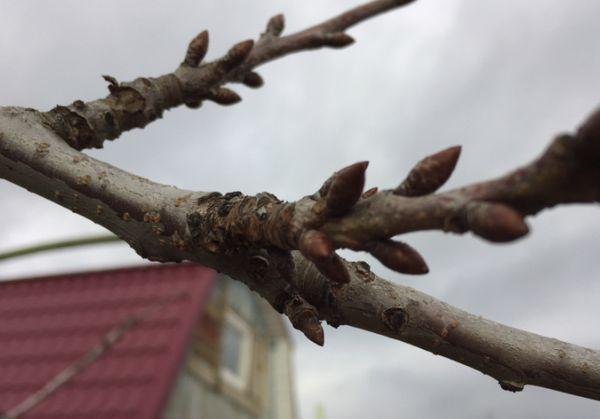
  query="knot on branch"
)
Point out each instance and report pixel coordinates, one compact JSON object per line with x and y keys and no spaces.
{"x":224,"y":223}
{"x":72,"y":127}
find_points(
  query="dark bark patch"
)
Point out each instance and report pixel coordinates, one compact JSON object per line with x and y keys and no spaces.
{"x":394,"y":318}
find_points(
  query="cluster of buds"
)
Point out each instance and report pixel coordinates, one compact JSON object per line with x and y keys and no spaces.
{"x":218,"y":70}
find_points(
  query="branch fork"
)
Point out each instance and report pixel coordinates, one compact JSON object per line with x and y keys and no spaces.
{"x":286,"y":251}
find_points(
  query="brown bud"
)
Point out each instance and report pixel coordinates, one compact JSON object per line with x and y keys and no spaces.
{"x":113,"y":84}
{"x":303,"y":317}
{"x":495,"y":222}
{"x":253,"y":79}
{"x":337,"y":39}
{"x":224,"y":96}
{"x":346,"y":188}
{"x":312,"y":330}
{"x":196,"y":49}
{"x":236,"y":55}
{"x":276,"y":25}
{"x":334,"y":269}
{"x":110,"y":79}
{"x":430,"y":173}
{"x":399,"y":257}
{"x":317,"y":248}
{"x":315,"y":245}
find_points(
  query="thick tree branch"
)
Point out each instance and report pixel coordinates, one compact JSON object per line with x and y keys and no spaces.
{"x":286,"y":250}
{"x":155,"y":220}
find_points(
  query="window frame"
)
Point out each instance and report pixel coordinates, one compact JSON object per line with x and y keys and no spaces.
{"x":239,"y":381}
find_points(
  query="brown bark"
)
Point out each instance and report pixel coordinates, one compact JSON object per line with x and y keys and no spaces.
{"x":285,"y":251}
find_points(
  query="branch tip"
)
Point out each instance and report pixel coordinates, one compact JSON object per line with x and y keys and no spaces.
{"x":334,"y":269}
{"x":303,"y":317}
{"x":337,"y":39}
{"x":314,"y":332}
{"x":196,"y":50}
{"x":315,"y":245}
{"x":496,"y":222}
{"x":430,"y":173}
{"x":317,"y":248}
{"x":276,"y":25}
{"x":224,"y":96}
{"x":236,"y":55}
{"x":399,"y":257}
{"x":345,"y":188}
{"x":253,"y":79}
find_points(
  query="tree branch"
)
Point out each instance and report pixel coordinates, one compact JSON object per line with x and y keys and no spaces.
{"x":136,"y":104}
{"x":285,"y":251}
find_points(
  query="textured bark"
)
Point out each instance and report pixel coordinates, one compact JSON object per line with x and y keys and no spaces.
{"x":285,"y":251}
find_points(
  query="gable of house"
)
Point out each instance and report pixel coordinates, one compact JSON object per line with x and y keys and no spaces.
{"x":238,"y":365}
{"x":50,"y":324}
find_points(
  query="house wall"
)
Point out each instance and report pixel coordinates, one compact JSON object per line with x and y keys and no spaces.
{"x":202,"y":393}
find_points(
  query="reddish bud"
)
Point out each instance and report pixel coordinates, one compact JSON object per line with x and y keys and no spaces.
{"x":315,"y":245}
{"x":430,"y":173}
{"x":113,"y":84}
{"x":196,"y":50}
{"x":399,"y":257}
{"x":236,"y":55}
{"x":224,"y":96}
{"x":311,"y":327}
{"x":496,"y":222}
{"x":317,"y":248}
{"x":276,"y":25}
{"x":111,"y":80}
{"x":312,"y":330}
{"x":334,"y":269}
{"x":253,"y":79}
{"x":337,"y":39}
{"x":303,"y":317}
{"x":346,"y":188}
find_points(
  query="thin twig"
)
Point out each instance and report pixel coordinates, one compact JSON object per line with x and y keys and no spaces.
{"x":136,"y":104}
{"x":60,"y":244}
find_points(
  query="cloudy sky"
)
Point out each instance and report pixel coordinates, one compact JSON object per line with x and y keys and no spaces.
{"x":500,"y":78}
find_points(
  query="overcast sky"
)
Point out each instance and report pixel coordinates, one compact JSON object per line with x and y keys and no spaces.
{"x":500,"y":78}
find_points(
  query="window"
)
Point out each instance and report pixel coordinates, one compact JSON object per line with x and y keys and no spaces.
{"x":236,"y":351}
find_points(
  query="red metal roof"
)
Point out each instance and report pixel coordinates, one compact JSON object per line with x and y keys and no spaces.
{"x":48,"y":323}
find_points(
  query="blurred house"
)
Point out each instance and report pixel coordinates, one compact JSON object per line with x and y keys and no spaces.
{"x":152,"y":342}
